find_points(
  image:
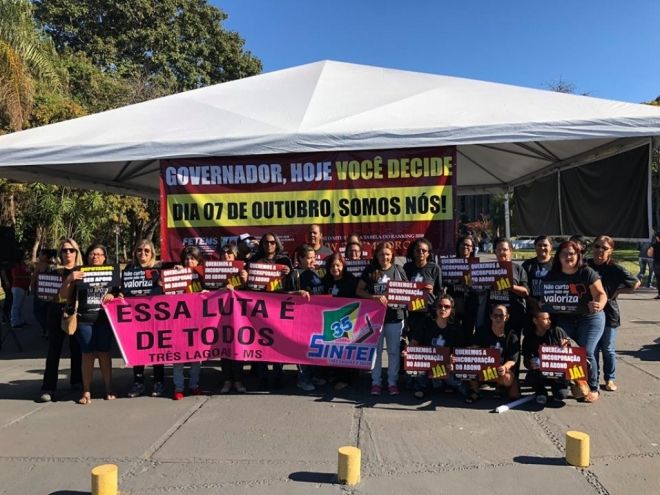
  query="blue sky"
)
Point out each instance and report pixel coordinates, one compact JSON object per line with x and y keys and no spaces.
{"x":607,"y":48}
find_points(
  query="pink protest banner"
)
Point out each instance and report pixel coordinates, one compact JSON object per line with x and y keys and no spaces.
{"x":247,"y":326}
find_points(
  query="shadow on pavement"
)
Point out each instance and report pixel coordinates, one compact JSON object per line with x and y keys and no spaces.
{"x":540,"y":460}
{"x":312,"y":477}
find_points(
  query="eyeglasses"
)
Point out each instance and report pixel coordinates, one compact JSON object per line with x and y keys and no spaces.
{"x":600,"y":246}
{"x":420,"y":250}
{"x":444,"y":306}
{"x":143,"y":250}
{"x":467,"y":246}
{"x":96,"y":255}
{"x":69,"y":250}
{"x":499,"y":316}
{"x":270,"y":242}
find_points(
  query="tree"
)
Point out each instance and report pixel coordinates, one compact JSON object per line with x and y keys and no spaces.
{"x":174,"y":45}
{"x":24,"y":56}
{"x":655,"y":175}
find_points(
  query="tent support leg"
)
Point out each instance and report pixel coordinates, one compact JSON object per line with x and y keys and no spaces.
{"x":507,"y":216}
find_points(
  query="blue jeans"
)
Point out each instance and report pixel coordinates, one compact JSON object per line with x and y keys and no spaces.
{"x":18,"y":297}
{"x":645,"y":263}
{"x":391,"y":335}
{"x":607,"y":347}
{"x":587,"y":331}
{"x":178,"y":378}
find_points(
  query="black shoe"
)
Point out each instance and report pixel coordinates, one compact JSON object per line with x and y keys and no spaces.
{"x":264,"y":385}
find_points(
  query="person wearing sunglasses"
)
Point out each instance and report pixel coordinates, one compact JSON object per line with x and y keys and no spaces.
{"x":71,"y":258}
{"x":616,"y":280}
{"x":586,"y":324}
{"x":373,"y":285}
{"x":513,"y":297}
{"x":94,"y":331}
{"x":270,"y":251}
{"x":439,"y":331}
{"x":144,"y":260}
{"x":496,"y":334}
{"x":423,"y":269}
{"x":538,"y":267}
{"x":466,"y":299}
{"x":232,"y":370}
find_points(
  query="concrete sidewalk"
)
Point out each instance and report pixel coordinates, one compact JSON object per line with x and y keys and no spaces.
{"x":286,"y":442}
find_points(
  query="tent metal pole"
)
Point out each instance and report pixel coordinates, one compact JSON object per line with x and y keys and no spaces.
{"x":561,"y":219}
{"x":649,"y":191}
{"x":507,"y":216}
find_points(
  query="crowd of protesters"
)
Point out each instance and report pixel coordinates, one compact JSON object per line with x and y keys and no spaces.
{"x":457,"y":315}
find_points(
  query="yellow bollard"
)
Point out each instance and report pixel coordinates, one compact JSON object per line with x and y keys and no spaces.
{"x":105,"y":480}
{"x":348,"y":470}
{"x":577,"y":448}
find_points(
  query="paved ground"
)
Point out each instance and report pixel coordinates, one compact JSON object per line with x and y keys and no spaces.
{"x":286,"y":443}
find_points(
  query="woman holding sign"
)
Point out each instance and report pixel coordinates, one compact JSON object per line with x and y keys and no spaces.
{"x":270,"y":252}
{"x":440,"y":331}
{"x":616,"y":280}
{"x":586,"y":323}
{"x":373,"y":285}
{"x":339,"y":282}
{"x":71,"y":258}
{"x":94,"y":332}
{"x":232,"y":370}
{"x":191,"y":257}
{"x":466,"y":299}
{"x":497,"y":335}
{"x":141,"y":278}
{"x":513,"y":297}
{"x":422,"y":269}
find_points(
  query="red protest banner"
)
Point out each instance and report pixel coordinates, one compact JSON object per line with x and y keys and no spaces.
{"x":408,"y":294}
{"x":491,"y":275}
{"x":567,"y":362}
{"x":432,"y":360}
{"x":383,"y":195}
{"x":219,"y":273}
{"x":476,"y":363}
{"x":265,"y":276}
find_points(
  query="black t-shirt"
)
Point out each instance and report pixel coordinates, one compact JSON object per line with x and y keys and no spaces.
{"x":344,"y":287}
{"x":429,"y":274}
{"x":376,"y":281}
{"x":584,"y":278}
{"x":307,"y":279}
{"x":536,"y":272}
{"x":148,"y":285}
{"x":554,"y":336}
{"x":613,"y":277}
{"x":656,"y":253}
{"x":431,"y":334}
{"x":516,"y":304}
{"x":509,"y":343}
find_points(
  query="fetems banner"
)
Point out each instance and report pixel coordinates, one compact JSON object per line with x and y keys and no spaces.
{"x":383,"y":195}
{"x":247,"y":326}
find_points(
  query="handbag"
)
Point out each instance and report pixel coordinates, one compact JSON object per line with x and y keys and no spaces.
{"x":70,"y":322}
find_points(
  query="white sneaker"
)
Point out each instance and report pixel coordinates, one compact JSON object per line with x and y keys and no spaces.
{"x":307,"y":387}
{"x":158,"y":390}
{"x":136,"y":390}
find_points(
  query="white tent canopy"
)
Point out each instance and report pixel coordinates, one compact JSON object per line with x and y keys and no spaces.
{"x":506,"y":135}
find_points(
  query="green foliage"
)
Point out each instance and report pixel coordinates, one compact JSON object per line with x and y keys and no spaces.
{"x":25,"y":55}
{"x":174,"y":45}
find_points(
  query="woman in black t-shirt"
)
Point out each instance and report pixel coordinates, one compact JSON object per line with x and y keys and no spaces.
{"x":439,"y":331}
{"x":586,"y":324}
{"x":373,"y":285}
{"x":616,"y":280}
{"x":496,"y":334}
{"x":654,"y":252}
